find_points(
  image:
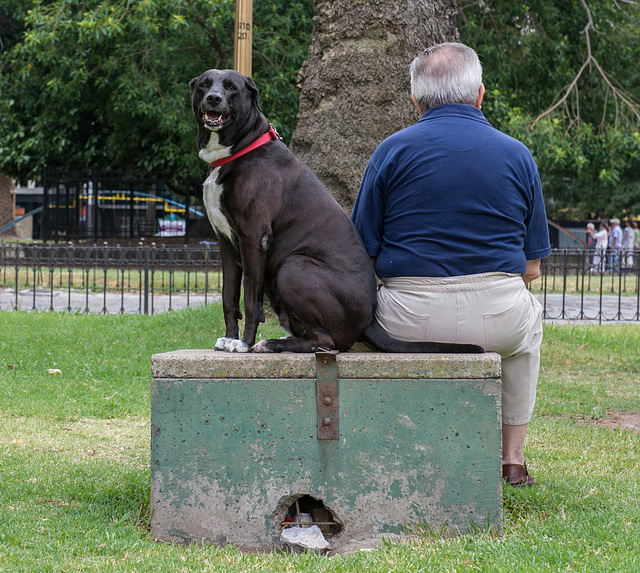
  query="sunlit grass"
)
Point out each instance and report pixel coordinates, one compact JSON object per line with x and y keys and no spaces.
{"x":74,"y":457}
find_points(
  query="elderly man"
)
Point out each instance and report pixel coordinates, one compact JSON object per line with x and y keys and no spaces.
{"x":451,"y":212}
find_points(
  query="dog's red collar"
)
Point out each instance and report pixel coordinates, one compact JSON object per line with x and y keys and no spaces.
{"x":265,"y":138}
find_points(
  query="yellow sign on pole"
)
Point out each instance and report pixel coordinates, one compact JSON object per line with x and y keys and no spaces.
{"x":243,"y":38}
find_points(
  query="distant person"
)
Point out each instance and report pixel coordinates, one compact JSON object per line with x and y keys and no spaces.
{"x":615,"y":245}
{"x":627,"y":246}
{"x":601,"y":239}
{"x":636,"y":236}
{"x":590,"y":239}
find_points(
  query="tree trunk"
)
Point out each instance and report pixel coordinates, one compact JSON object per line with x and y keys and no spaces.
{"x":355,"y":84}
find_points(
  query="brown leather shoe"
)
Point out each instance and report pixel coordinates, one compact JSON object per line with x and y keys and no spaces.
{"x":517,"y":475}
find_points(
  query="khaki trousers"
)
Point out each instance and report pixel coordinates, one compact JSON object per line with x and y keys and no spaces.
{"x":493,"y":310}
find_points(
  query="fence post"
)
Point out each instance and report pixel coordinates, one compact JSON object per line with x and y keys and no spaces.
{"x":131,"y":208}
{"x":45,"y":204}
{"x":187,"y":210}
{"x":96,"y":202}
{"x":146,"y":279}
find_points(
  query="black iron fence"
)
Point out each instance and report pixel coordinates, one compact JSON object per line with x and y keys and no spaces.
{"x":576,"y":284}
{"x":584,"y":284}
{"x":108,"y":279}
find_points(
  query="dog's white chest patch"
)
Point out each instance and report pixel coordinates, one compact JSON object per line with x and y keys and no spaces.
{"x":214,"y":150}
{"x":212,"y":192}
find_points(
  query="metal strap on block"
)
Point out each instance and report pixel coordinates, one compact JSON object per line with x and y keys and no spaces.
{"x":327,"y":394}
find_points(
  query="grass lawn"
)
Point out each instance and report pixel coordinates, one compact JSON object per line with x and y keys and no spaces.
{"x":74,"y":457}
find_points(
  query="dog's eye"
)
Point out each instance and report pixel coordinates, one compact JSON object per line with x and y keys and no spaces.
{"x":230,"y":87}
{"x":205,"y":84}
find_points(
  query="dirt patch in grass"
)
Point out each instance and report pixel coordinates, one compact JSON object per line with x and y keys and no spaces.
{"x":614,"y":419}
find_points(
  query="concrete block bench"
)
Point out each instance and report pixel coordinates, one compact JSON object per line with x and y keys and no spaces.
{"x":365,"y":443}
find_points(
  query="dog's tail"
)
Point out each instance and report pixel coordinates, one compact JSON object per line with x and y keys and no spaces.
{"x":378,"y":338}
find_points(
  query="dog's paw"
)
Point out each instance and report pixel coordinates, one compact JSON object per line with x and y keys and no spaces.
{"x":221,"y":343}
{"x":261,"y":347}
{"x":231,"y":345}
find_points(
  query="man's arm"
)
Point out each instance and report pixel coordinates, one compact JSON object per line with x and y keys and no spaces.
{"x":532,"y":272}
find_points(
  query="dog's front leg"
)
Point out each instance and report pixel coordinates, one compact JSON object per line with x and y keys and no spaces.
{"x":254,"y":262}
{"x":231,"y":282}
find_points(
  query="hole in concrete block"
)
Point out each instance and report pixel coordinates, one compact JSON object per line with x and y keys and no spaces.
{"x":290,"y":507}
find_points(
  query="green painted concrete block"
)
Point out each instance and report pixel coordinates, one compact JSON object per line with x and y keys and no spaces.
{"x":235,"y":443}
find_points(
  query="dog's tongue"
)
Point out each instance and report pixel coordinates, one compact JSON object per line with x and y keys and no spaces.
{"x":211,"y":117}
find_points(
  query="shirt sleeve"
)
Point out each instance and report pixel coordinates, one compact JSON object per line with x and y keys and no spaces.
{"x":368,"y":210}
{"x":536,"y":241}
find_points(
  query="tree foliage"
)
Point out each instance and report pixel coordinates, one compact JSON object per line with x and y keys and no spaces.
{"x":88,"y":82}
{"x":563,"y":77}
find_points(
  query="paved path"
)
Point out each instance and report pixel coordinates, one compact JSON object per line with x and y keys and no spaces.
{"x":586,"y":309}
{"x":116,"y":303}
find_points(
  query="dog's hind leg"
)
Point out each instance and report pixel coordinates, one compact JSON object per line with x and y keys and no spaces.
{"x":307,"y":299}
{"x":310,"y":342}
{"x":306,"y":334}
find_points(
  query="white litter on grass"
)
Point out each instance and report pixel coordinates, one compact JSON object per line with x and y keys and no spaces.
{"x":304,"y":537}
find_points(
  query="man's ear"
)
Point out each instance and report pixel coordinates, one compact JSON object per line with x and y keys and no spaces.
{"x":480,"y":96}
{"x":415,"y":102}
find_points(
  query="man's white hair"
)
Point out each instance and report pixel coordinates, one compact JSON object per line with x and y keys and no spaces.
{"x":446,"y":73}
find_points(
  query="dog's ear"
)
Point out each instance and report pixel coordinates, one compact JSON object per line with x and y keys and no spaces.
{"x":253,"y":90}
{"x":202,"y":135}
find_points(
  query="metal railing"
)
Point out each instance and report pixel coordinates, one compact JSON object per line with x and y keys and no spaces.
{"x":582,"y":284}
{"x":108,"y":279}
{"x":575,"y":284}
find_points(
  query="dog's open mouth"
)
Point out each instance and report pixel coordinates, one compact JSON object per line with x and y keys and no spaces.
{"x":214,"y":120}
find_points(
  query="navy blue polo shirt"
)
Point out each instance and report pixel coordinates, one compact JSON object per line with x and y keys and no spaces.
{"x":451,"y":196}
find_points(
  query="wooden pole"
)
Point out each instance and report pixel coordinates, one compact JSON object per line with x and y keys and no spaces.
{"x":243,"y":37}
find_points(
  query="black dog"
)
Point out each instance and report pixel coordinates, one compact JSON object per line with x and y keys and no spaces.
{"x":280,"y":227}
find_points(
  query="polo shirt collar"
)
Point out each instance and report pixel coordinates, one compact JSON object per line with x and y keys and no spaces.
{"x":454,"y":110}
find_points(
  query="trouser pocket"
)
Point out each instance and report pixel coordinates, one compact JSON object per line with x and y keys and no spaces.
{"x":509,"y":330}
{"x":394,"y":315}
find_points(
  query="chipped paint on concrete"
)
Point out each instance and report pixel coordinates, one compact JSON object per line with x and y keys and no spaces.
{"x":227,"y":451}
